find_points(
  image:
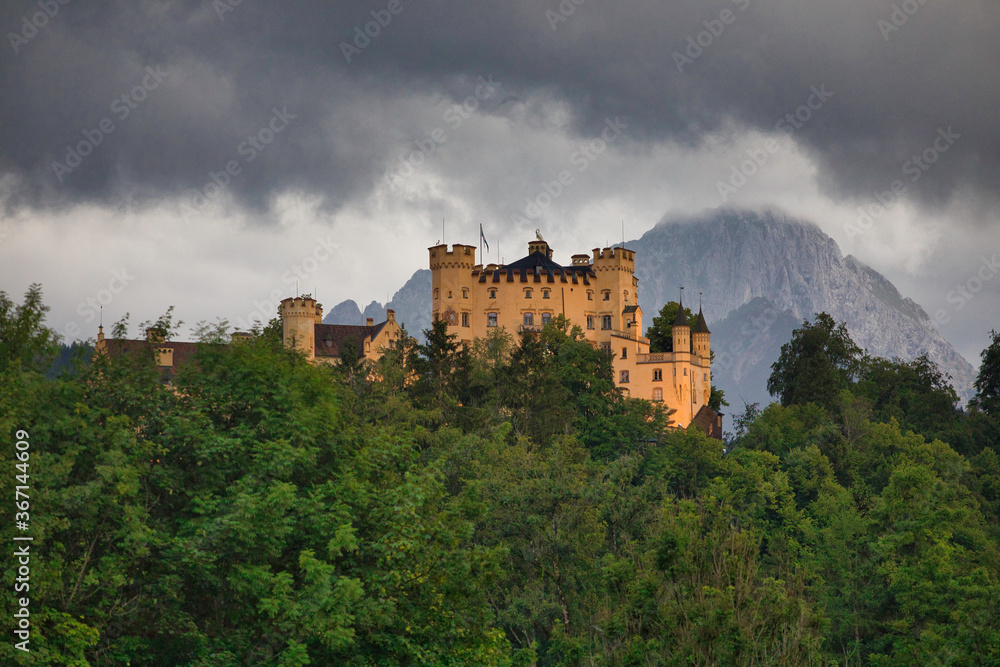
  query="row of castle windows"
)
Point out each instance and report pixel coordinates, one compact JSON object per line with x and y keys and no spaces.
{"x":657,"y":373}
{"x":546,"y":293}
{"x":657,"y":391}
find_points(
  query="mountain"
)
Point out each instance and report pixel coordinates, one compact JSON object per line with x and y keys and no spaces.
{"x":412,"y":304}
{"x":760,"y":275}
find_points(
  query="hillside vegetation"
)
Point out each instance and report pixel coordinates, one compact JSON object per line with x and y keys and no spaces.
{"x":501,"y":505}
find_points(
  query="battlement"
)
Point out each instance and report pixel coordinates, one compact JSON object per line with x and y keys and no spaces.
{"x":540,"y":246}
{"x":615,"y":259}
{"x":301,"y":307}
{"x":581,"y":260}
{"x":460,"y":256}
{"x":306,"y":302}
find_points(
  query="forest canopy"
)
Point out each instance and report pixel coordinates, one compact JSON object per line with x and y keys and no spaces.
{"x":500,"y":504}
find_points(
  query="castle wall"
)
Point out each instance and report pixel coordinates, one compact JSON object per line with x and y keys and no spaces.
{"x":592,"y":293}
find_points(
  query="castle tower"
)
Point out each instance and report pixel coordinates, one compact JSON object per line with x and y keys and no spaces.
{"x":616,"y":285}
{"x":702,"y":337}
{"x":681,"y":330}
{"x":299,"y":317}
{"x":451,"y":284}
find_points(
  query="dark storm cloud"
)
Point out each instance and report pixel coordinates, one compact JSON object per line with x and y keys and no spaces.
{"x":680,"y":71}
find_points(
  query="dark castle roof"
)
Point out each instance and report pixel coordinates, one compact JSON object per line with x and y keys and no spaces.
{"x":536,"y":264}
{"x":701,"y":326}
{"x":681,"y":320}
{"x":330,"y":338}
{"x":535,"y":259}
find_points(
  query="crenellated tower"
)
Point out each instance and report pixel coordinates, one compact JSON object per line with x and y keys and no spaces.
{"x":451,"y":283}
{"x":299,"y":315}
{"x":617,"y":287}
{"x":702,"y":339}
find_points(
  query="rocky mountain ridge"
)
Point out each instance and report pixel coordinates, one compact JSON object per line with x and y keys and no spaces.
{"x":758,"y":275}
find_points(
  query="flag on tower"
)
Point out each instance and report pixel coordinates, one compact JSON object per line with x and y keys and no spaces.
{"x":482,"y":237}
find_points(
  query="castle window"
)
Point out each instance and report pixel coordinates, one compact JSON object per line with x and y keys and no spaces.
{"x":704,"y":377}
{"x":605,"y":321}
{"x":590,"y":295}
{"x":529,"y":319}
{"x":491,"y":319}
{"x":493,"y":293}
{"x":527,"y":293}
{"x":449,"y":294}
{"x":607,"y":295}
{"x":437,"y":293}
{"x":465,"y":319}
{"x":657,"y":375}
{"x":465,"y":292}
{"x":546,"y":318}
{"x":623,"y":377}
{"x":657,"y":394}
{"x":545,"y":294}
{"x":606,"y":347}
{"x":625,"y":294}
{"x":685,"y":371}
{"x":590,"y":321}
{"x":624,"y":353}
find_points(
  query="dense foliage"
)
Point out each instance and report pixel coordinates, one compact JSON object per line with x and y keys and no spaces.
{"x":499,"y":505}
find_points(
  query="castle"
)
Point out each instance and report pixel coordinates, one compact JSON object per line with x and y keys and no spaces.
{"x":303,"y":329}
{"x":598,"y":292}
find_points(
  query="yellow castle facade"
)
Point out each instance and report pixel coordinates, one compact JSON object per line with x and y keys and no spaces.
{"x":599,"y":293}
{"x":303,"y":329}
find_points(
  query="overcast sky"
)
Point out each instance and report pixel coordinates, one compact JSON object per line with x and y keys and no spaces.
{"x":209,"y":155}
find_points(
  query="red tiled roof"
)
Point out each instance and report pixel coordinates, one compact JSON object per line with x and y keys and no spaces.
{"x":183,"y":352}
{"x":709,"y":422}
{"x":331,"y":337}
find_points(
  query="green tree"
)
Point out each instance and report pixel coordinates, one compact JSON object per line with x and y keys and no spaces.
{"x":819,"y":361}
{"x":660,"y":333}
{"x":987,"y":383}
{"x":25,"y":342}
{"x":915,"y":393}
